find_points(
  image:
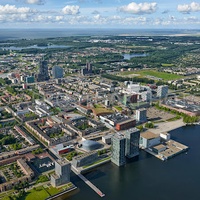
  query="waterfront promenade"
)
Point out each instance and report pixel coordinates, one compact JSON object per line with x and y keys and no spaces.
{"x":88,"y":182}
{"x":167,"y":126}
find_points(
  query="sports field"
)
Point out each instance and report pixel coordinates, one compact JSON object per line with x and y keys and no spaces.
{"x":163,"y":75}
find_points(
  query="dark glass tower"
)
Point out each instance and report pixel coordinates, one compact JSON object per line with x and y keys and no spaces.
{"x":43,"y":74}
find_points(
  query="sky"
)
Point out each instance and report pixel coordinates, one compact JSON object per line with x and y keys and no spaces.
{"x":138,"y":14}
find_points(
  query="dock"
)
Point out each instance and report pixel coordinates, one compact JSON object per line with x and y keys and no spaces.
{"x":172,"y":148}
{"x":97,"y":190}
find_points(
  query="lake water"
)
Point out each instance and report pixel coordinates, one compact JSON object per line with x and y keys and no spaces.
{"x":34,"y":47}
{"x":133,"y":55}
{"x":148,"y":178}
{"x":11,"y":34}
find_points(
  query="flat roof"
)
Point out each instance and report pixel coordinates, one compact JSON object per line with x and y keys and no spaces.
{"x":160,"y":146}
{"x":149,"y":135}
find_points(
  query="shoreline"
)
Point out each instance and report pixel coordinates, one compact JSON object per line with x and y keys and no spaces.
{"x":167,"y":126}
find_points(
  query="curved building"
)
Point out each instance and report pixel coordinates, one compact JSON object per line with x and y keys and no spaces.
{"x":90,"y":145}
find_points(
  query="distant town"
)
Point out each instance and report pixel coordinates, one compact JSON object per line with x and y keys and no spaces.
{"x":73,"y":104}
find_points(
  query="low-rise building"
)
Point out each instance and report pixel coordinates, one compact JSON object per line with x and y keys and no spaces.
{"x":149,"y":139}
{"x":84,"y":159}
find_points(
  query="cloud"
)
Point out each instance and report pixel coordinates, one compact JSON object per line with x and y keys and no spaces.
{"x":141,"y":8}
{"x":59,"y":18}
{"x":165,"y":12}
{"x":71,"y":10}
{"x":95,"y":12}
{"x":38,"y":2}
{"x":12,"y":9}
{"x":188,"y":8}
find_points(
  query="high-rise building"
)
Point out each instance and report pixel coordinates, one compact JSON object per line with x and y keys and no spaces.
{"x":141,"y":115}
{"x":162,"y":91}
{"x":132,"y":142}
{"x":87,"y":70}
{"x":43,"y":74}
{"x":62,"y":173}
{"x":118,"y":149}
{"x":57,"y":72}
{"x":146,"y":96}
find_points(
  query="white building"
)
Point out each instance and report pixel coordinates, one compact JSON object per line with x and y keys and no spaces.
{"x":133,"y":88}
{"x":165,"y":136}
{"x":146,"y":96}
{"x":149,"y":139}
{"x":141,"y":115}
{"x":162,"y":91}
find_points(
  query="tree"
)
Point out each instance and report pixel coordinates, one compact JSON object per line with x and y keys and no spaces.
{"x":149,"y":125}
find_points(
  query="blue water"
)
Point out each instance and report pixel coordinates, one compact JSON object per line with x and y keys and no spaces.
{"x":6,"y":34}
{"x":35,"y":47}
{"x":134,"y":55}
{"x":148,"y":178}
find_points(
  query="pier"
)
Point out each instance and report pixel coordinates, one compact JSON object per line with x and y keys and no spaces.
{"x":88,"y":182}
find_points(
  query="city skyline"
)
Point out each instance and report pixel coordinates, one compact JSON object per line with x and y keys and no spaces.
{"x":99,"y":14}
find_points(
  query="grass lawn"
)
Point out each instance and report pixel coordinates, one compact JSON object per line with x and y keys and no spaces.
{"x":165,"y":76}
{"x":102,"y":110}
{"x":167,"y":65}
{"x":52,"y":191}
{"x":119,"y":108}
{"x":98,"y":161}
{"x":39,"y":193}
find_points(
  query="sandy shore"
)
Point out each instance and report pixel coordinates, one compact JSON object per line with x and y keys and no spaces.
{"x":167,"y":126}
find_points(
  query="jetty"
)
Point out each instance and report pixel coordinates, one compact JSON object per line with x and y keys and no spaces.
{"x":97,"y":190}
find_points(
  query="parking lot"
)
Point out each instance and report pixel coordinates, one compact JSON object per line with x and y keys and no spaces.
{"x":154,"y":114}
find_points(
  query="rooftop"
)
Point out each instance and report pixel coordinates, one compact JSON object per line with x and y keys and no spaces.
{"x":149,"y":135}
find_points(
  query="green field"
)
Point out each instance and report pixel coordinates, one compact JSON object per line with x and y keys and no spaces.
{"x":165,"y":76}
{"x":167,"y":65}
{"x":119,"y":108}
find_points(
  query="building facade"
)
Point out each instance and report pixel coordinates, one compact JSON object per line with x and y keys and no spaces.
{"x":118,"y":149}
{"x":62,"y":173}
{"x":132,"y":142}
{"x":141,"y":115}
{"x":84,"y":159}
{"x":57,"y":72}
{"x":43,"y":74}
{"x":162,"y":91}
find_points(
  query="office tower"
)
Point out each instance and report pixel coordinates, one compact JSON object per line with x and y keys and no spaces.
{"x":57,"y":72}
{"x":118,"y":149}
{"x":141,"y":115}
{"x":146,"y":96}
{"x":87,"y":70}
{"x":43,"y":74}
{"x":62,"y":173}
{"x":132,"y":142}
{"x":162,"y":91}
